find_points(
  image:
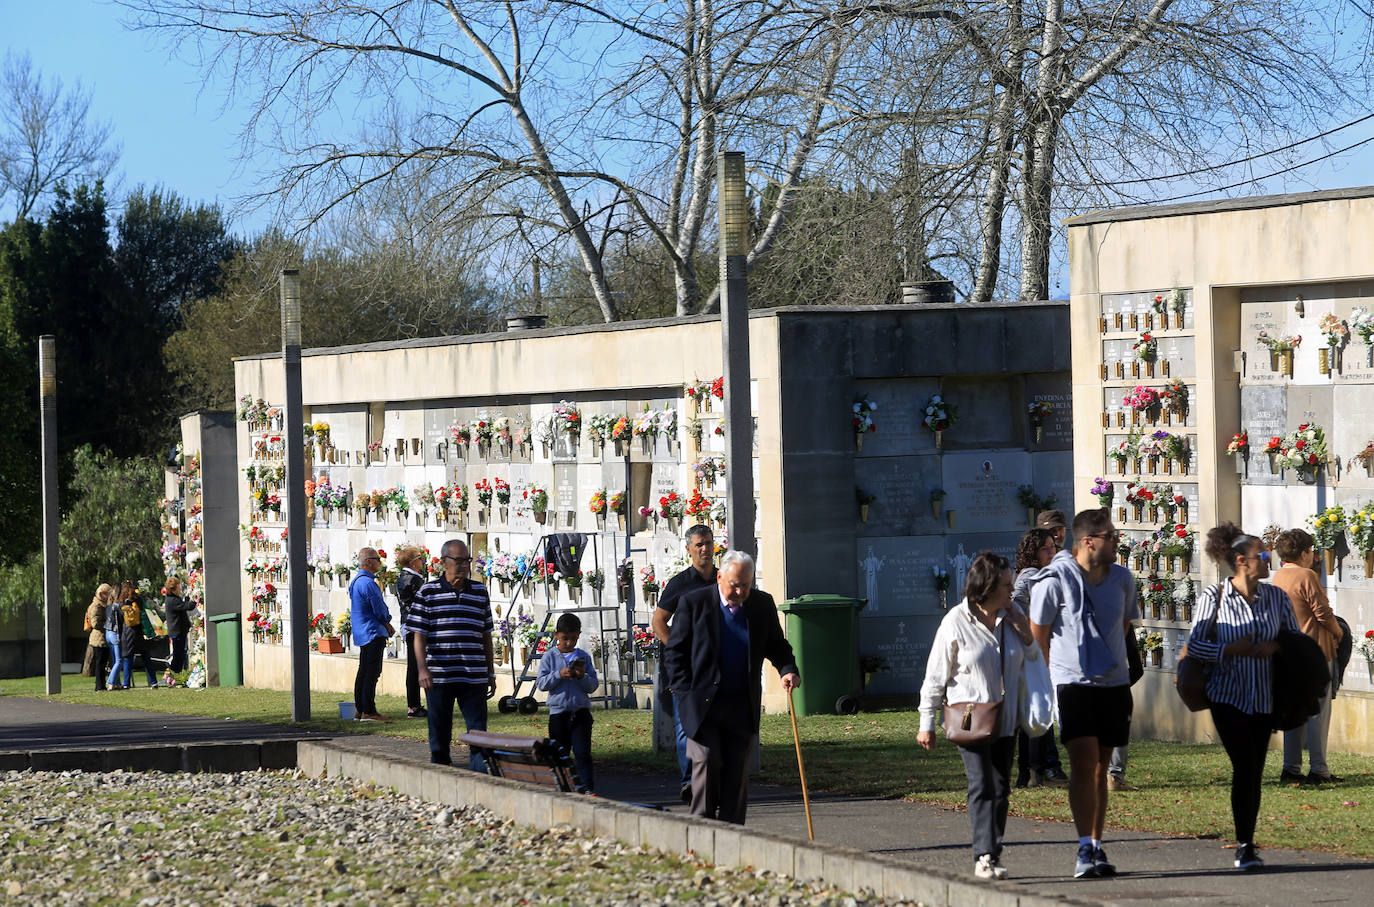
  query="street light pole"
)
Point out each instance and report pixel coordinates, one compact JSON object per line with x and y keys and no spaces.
{"x":734,"y":333}
{"x":52,"y":584}
{"x":297,"y":589}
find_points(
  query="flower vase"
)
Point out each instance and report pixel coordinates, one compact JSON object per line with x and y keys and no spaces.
{"x":1121,"y":466}
{"x":1120,"y":370}
{"x":575,"y":594}
{"x":620,"y":448}
{"x":1186,"y":562}
{"x":1178,"y":321}
{"x":1273,"y":462}
{"x":1164,"y":367}
{"x":1170,"y":563}
{"x":1156,"y":657}
{"x":1039,"y":433}
{"x":651,"y":598}
{"x":1369,"y":565}
{"x":1286,"y":363}
{"x":620,"y":521}
{"x":1183,"y":467}
{"x":939,"y":440}
{"x":1030,"y":516}
{"x":1274,"y":361}
{"x":863,"y":513}
{"x":673,"y":524}
{"x":1137,"y":512}
{"x":936,"y":508}
{"x":859,"y":441}
{"x":1324,"y":360}
{"x":1152,"y":463}
{"x":1154,"y":513}
{"x":544,"y":446}
{"x":481,"y":516}
{"x":1121,"y":514}
{"x":1106,"y":420}
{"x":1154,"y":562}
{"x":505,"y":513}
{"x":601,"y":521}
{"x":1329,"y":557}
{"x":541,"y":517}
{"x":1135,"y":369}
{"x":646,"y":445}
{"x":944,"y":599}
{"x":1187,"y":609}
{"x":1116,"y":320}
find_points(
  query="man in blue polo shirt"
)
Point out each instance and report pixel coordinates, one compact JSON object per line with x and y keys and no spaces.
{"x":450,"y":627}
{"x":371,"y":621}
{"x":714,"y":657}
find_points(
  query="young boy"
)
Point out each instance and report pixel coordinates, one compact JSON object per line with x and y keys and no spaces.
{"x":567,"y":674}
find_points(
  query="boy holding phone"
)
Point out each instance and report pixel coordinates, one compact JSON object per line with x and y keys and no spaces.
{"x":567,"y":674}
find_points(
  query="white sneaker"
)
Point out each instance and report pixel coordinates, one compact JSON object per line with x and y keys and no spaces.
{"x":998,"y":870}
{"x":985,"y":867}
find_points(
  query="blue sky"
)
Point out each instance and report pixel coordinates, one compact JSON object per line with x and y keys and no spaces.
{"x":177,"y":133}
{"x":173,"y":133}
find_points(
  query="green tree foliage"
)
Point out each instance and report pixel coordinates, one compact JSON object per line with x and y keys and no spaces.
{"x":19,"y":517}
{"x":169,"y":253}
{"x":109,"y":532}
{"x":383,"y":292}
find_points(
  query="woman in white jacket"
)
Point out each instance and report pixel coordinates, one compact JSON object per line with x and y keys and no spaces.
{"x":977,"y":657}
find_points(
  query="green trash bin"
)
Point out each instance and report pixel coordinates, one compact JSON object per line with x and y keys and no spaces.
{"x":823,"y":630}
{"x":228,"y":649}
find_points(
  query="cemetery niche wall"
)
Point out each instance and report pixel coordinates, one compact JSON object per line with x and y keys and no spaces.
{"x":616,"y":432}
{"x":1255,"y":314}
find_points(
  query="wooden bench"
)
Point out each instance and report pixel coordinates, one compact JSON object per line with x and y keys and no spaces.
{"x":534,"y":760}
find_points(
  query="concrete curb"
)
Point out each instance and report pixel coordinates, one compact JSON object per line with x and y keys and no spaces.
{"x":244,"y":756}
{"x":707,"y":840}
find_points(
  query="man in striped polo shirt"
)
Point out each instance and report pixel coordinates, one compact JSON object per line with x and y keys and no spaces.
{"x":450,"y":627}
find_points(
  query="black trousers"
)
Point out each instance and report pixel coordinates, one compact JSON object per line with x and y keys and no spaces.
{"x":412,"y":675}
{"x":178,"y":653}
{"x":369,"y":672}
{"x":1035,"y":754}
{"x":573,"y":731}
{"x":988,"y":767}
{"x":100,"y":660}
{"x":1246,"y":739}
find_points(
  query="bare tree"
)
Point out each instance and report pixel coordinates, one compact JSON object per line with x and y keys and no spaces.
{"x":47,"y":136}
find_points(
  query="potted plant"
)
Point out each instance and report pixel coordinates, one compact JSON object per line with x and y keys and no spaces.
{"x":1360,"y":528}
{"x":1328,"y":531}
{"x":597,"y":505}
{"x":538,"y":501}
{"x":1281,"y":351}
{"x":1037,"y":413}
{"x":1335,"y":333}
{"x":862,"y":419}
{"x":939,"y":417}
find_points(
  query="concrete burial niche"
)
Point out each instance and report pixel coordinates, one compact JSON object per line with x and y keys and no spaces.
{"x":1240,"y":271}
{"x":809,"y":368}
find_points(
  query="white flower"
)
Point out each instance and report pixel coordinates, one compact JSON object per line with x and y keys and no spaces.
{"x":937,"y":399}
{"x":872,"y":406}
{"x":930,"y":410}
{"x":858,"y":407}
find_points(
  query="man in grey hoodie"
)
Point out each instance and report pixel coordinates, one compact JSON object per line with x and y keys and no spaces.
{"x":1081,"y":605}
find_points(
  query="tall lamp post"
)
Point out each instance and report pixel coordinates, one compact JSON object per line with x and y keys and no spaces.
{"x":52,"y":585}
{"x":734,"y":333}
{"x":297,"y":589}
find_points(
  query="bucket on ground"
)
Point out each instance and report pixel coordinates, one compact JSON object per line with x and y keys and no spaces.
{"x":348,"y":711}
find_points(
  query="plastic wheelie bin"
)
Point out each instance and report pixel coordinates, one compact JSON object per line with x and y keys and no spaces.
{"x":228,"y":649}
{"x":824,"y":633}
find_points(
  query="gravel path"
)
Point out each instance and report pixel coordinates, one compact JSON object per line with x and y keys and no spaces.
{"x":283,"y":838}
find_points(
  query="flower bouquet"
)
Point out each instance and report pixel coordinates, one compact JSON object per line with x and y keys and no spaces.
{"x":568,"y":419}
{"x":1335,"y":334}
{"x":1328,"y":531}
{"x":1037,"y":412}
{"x":942,"y":582}
{"x":597,"y":505}
{"x":1104,"y":491}
{"x":1281,"y":351}
{"x":648,"y":584}
{"x":1146,"y":349}
{"x":1360,"y":529}
{"x":538,"y":501}
{"x":862,"y":419}
{"x":1362,"y":326}
{"x":645,"y":428}
{"x":939,"y":416}
{"x":1303,"y":450}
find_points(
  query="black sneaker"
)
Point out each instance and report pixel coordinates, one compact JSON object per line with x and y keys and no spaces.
{"x":1314,"y":778}
{"x":1288,"y":777}
{"x":1247,"y":859}
{"x":417,"y":712}
{"x":685,"y":794}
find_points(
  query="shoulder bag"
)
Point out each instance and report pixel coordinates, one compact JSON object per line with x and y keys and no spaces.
{"x":976,"y":723}
{"x":1193,"y":673}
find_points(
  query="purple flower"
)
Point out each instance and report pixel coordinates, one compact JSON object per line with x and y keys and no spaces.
{"x":1101,"y":486}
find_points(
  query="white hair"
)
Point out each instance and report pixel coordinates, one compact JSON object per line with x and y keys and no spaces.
{"x":734,"y":556}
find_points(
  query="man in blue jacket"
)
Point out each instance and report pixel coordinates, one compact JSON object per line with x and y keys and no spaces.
{"x":714,"y":658}
{"x":371,"y":621}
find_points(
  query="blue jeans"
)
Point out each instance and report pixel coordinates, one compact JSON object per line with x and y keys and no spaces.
{"x":118,"y":661}
{"x":471,"y":699}
{"x":684,"y":765}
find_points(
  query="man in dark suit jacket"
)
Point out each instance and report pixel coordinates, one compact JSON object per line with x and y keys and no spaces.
{"x":714,"y":659}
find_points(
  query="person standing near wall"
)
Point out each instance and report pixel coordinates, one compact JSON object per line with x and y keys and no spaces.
{"x":1080,"y":615}
{"x":411,"y":560}
{"x":1315,"y":618}
{"x":1235,"y":627}
{"x":1038,"y":757}
{"x":176,"y":613}
{"x":699,"y":574}
{"x":97,"y":646}
{"x":371,"y":621}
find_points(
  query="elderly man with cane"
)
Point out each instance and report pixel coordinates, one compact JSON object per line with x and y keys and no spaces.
{"x":714,"y":659}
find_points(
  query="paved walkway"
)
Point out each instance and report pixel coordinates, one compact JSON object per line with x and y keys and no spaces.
{"x":1039,"y":854}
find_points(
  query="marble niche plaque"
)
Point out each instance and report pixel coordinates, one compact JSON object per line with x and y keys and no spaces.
{"x":563,"y":494}
{"x":437,"y":421}
{"x":1057,"y":427}
{"x":901,"y":406}
{"x":981,"y":489}
{"x":521,"y":517}
{"x":896,"y":575}
{"x":1180,"y":353}
{"x":1357,"y":357}
{"x":905,"y":643}
{"x":902,"y":486}
{"x":1273,"y":318}
{"x":1264,"y":415}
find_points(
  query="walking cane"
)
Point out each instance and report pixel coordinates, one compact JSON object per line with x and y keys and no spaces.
{"x":796,"y":739}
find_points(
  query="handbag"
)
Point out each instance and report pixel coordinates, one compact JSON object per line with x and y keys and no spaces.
{"x":975,"y":723}
{"x":1193,"y":673}
{"x":1035,"y":703}
{"x":1135,"y":665}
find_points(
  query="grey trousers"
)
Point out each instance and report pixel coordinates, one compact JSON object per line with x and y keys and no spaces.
{"x":1117,"y":767}
{"x":719,"y":754}
{"x":1313,"y":735}
{"x":988,"y":768}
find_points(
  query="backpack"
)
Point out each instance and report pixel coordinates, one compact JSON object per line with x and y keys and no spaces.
{"x":133,"y":616}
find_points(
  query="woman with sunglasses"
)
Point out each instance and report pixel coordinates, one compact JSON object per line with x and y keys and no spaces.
{"x":1235,"y":627}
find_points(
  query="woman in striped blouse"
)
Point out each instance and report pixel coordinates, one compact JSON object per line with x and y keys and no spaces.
{"x":1235,"y":627}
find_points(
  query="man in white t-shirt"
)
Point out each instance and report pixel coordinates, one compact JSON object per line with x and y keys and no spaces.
{"x":1081,"y":606}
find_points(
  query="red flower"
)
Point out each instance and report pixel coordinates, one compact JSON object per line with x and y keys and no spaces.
{"x":1274,"y":444}
{"x":1301,"y":444}
{"x":1146,"y":337}
{"x":1303,"y":427}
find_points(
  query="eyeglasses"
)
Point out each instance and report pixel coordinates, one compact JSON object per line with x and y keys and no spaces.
{"x":1262,"y":555}
{"x":1114,"y":534}
{"x":457,"y":560}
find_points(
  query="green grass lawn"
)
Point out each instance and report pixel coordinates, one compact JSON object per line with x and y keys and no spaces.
{"x":1184,"y":788}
